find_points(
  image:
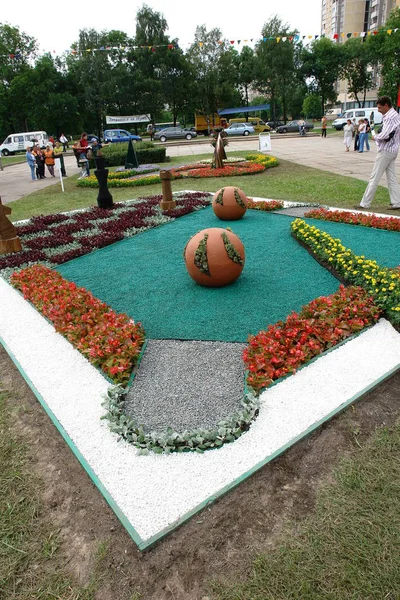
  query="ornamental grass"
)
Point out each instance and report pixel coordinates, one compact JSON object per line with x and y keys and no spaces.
{"x":110,"y":341}
{"x":320,"y":325}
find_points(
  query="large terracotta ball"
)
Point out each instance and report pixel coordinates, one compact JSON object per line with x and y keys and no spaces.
{"x":214,"y":257}
{"x":229,"y":203}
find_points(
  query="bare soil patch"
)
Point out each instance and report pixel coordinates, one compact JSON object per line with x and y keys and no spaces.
{"x":218,"y":543}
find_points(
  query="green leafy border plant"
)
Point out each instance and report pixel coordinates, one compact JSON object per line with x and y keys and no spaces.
{"x":220,"y":198}
{"x":200,"y":256}
{"x":231,"y":251}
{"x":198,"y":440}
{"x":238,"y":199}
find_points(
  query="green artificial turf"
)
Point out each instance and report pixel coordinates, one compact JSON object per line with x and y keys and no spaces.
{"x":146,"y":278}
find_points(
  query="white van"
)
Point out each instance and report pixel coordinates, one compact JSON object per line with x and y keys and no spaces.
{"x":17,"y":142}
{"x":357,"y":114}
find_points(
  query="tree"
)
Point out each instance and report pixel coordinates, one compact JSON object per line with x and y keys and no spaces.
{"x":312,"y":106}
{"x":17,"y":50}
{"x":385,"y":48}
{"x":321,"y":62}
{"x":356,"y":68}
{"x":275,"y":64}
{"x":247,"y":66}
{"x":214,"y":67}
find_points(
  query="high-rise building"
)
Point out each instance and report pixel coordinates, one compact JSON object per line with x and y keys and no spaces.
{"x":354,"y":16}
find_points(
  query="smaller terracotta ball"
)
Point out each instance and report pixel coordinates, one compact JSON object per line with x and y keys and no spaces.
{"x":229,"y":203}
{"x":214,"y":257}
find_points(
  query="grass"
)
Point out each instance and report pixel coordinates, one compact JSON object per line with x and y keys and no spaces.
{"x":31,"y":562}
{"x":288,"y":181}
{"x":12,"y":160}
{"x":349,"y":548}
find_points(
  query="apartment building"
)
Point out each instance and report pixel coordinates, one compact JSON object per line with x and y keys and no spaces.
{"x":350,"y":16}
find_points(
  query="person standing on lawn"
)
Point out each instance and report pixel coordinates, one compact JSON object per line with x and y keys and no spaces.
{"x":388,"y":142}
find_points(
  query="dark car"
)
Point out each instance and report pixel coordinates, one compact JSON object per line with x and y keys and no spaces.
{"x":294,"y":126}
{"x":275,"y":124}
{"x":174,"y":133}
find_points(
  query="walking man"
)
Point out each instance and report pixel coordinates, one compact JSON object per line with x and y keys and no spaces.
{"x":388,"y":142}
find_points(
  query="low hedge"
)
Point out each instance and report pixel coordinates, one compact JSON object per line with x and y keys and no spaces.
{"x":146,"y":153}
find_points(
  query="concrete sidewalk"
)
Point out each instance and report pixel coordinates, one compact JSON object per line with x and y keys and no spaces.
{"x":15,"y":180}
{"x":327,"y":154}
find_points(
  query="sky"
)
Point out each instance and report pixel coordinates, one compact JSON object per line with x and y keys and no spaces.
{"x":56,"y":25}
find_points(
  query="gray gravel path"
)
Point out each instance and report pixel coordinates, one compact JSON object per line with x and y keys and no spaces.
{"x":186,"y":385}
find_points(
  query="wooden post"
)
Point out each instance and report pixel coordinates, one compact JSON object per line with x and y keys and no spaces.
{"x":9,"y":240}
{"x":167,"y":202}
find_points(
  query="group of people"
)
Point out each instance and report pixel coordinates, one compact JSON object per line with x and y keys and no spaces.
{"x":38,"y":159}
{"x":359,"y":132}
{"x":84,"y":152}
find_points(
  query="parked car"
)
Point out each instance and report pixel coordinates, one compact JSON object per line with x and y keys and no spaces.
{"x":275,"y":124}
{"x":239,"y":129}
{"x":119,"y":135}
{"x":294,"y":126}
{"x":174,"y":133}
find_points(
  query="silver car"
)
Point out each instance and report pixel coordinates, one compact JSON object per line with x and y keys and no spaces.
{"x":174,"y":133}
{"x":239,"y":129}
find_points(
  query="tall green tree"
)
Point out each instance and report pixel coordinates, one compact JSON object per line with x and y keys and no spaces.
{"x":247,"y":72}
{"x":386,"y":55}
{"x":17,"y":51}
{"x":356,"y":68}
{"x":321,"y":62}
{"x":275,"y":65}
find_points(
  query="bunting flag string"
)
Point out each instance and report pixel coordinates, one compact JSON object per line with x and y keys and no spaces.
{"x":153,"y":48}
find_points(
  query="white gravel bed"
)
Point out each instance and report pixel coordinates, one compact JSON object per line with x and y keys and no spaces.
{"x":154,"y":491}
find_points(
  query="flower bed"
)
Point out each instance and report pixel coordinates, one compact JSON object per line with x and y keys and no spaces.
{"x":108,"y":340}
{"x":382,"y":283}
{"x":264,"y":205}
{"x":227,"y":171}
{"x":320,"y":325}
{"x":342,"y":216}
{"x":253,"y":163}
{"x":58,"y":238}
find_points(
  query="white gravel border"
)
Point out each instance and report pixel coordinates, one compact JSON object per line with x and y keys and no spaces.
{"x":155,"y":491}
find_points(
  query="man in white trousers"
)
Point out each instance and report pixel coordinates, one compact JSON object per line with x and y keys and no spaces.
{"x":388,"y":142}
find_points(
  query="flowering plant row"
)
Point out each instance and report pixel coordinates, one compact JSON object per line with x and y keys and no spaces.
{"x":264,"y":205}
{"x":226,"y":171}
{"x":382,"y":283}
{"x":132,"y":172}
{"x":342,"y":216}
{"x":320,"y":325}
{"x":262,"y":159}
{"x":108,"y":340}
{"x":61,"y":237}
{"x":115,"y":183}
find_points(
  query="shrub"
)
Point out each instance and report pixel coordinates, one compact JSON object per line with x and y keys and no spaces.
{"x":115,"y":154}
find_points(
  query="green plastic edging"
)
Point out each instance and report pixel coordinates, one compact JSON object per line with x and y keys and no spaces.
{"x":103,"y":491}
{"x":146,"y":544}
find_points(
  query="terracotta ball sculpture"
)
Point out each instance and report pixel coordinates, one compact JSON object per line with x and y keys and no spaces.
{"x":229,"y":203}
{"x":214,"y":257}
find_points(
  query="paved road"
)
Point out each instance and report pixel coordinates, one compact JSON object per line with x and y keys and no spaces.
{"x":15,"y":180}
{"x":326,"y":154}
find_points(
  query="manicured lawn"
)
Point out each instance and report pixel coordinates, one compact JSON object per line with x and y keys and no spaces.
{"x":288,"y":181}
